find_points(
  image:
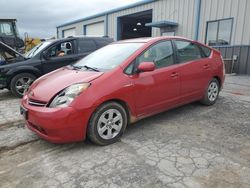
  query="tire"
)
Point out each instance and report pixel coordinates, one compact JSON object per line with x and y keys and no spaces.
{"x":104,"y":129}
{"x":20,"y":83}
{"x":212,"y":93}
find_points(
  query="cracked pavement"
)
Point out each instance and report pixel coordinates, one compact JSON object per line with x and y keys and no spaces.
{"x":191,"y":146}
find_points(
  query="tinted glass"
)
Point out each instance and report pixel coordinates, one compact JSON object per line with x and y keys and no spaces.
{"x":109,"y":56}
{"x":161,"y":54}
{"x":205,"y":50}
{"x":86,"y":45}
{"x":187,"y":51}
{"x":101,"y":43}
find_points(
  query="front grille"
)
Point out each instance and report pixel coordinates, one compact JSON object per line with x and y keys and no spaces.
{"x":36,"y":103}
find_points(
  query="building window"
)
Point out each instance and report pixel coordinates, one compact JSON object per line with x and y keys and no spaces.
{"x":219,"y":32}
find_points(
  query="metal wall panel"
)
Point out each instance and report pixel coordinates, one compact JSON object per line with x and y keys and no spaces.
{"x":79,"y":26}
{"x":219,"y":9}
{"x":184,"y":12}
{"x":242,"y":64}
{"x":180,"y":11}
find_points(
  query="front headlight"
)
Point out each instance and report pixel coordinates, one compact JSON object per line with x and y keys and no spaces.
{"x":65,"y":97}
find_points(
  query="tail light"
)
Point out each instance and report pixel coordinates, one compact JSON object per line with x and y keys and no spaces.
{"x":224,"y":69}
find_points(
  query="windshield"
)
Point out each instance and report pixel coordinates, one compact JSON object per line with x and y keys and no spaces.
{"x":38,"y":48}
{"x":109,"y":56}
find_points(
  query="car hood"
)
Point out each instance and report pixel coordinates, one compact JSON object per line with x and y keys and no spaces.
{"x":12,"y":53}
{"x":50,"y":84}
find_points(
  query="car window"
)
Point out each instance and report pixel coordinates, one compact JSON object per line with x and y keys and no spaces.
{"x":38,"y":48}
{"x":205,"y":50}
{"x":6,"y":29}
{"x":61,"y":49}
{"x":100,"y":43}
{"x":129,"y":69}
{"x":161,"y":54}
{"x":86,"y":45}
{"x":187,"y":51}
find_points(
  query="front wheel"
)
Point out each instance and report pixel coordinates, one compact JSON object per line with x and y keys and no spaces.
{"x":107,"y":124}
{"x":212,"y":93}
{"x":21,"y":83}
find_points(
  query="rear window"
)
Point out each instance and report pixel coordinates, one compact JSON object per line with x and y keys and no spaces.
{"x":205,"y":50}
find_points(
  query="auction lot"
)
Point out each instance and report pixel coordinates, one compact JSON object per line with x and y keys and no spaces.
{"x":191,"y":146}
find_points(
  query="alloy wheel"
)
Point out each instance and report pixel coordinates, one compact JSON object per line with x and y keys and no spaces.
{"x":213,"y":90}
{"x":23,"y":84}
{"x":109,"y":124}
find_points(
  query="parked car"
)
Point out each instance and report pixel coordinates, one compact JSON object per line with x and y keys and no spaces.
{"x":120,"y":84}
{"x":17,"y":71}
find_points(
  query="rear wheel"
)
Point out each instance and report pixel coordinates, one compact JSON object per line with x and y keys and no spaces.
{"x":21,"y":83}
{"x":107,"y":124}
{"x":212,"y":93}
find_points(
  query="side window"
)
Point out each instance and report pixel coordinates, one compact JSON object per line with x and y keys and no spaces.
{"x":61,"y":49}
{"x":161,"y":54}
{"x":101,"y":43}
{"x":187,"y":51}
{"x":86,"y":45}
{"x":129,"y":69}
{"x":205,"y":50}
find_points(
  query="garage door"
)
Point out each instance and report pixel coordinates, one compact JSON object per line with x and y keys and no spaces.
{"x":96,"y":29}
{"x":69,"y":32}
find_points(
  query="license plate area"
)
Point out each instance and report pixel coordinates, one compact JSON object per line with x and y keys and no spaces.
{"x":24,"y":112}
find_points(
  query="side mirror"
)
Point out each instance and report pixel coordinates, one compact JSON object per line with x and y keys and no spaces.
{"x":45,"y":56}
{"x":146,"y":67}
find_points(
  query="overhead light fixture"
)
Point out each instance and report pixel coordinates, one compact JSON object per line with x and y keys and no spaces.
{"x":139,"y":24}
{"x":135,"y":29}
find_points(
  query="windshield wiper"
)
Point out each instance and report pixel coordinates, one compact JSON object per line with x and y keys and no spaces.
{"x":76,"y":67}
{"x":85,"y":66}
{"x":91,"y":68}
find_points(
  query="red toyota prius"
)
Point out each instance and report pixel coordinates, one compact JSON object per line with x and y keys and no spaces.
{"x":119,"y":84}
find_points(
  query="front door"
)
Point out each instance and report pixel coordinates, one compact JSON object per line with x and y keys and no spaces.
{"x":59,"y":55}
{"x":157,"y":90}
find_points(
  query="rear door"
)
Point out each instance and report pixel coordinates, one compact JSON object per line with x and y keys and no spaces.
{"x":157,"y":90}
{"x":195,"y":70}
{"x":59,"y":55}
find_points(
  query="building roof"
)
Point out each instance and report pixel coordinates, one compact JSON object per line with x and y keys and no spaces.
{"x":142,"y":2}
{"x":162,"y":24}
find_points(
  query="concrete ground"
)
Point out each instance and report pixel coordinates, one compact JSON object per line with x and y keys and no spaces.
{"x":191,"y":146}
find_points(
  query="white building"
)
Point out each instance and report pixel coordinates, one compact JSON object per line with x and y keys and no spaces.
{"x":219,"y":23}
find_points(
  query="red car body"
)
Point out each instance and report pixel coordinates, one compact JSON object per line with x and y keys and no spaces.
{"x":143,"y":94}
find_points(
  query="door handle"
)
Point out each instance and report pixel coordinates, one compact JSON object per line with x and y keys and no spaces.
{"x":174,"y":75}
{"x":206,"y":66}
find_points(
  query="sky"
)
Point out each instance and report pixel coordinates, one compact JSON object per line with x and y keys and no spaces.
{"x":39,"y":18}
